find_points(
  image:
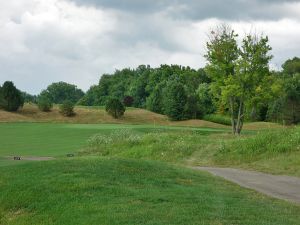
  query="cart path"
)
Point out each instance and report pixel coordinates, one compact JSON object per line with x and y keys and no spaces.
{"x":282,"y":187}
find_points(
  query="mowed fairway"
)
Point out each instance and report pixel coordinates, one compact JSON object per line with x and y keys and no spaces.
{"x":51,"y":139}
{"x":122,"y":191}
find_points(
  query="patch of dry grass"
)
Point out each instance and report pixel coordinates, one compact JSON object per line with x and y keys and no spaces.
{"x":98,"y":115}
{"x":94,"y":115}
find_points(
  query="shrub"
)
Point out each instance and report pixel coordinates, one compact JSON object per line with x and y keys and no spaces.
{"x":44,"y":104}
{"x":115,"y":108}
{"x":67,"y":109}
{"x":11,"y":98}
{"x":217,"y":118}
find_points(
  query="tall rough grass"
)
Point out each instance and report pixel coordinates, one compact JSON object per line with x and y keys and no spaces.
{"x":264,"y":143}
{"x":158,"y":144}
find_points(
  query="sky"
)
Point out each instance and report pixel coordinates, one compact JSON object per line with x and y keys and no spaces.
{"x":76,"y":41}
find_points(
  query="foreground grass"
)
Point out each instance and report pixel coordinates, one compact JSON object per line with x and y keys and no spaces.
{"x":119,"y":191}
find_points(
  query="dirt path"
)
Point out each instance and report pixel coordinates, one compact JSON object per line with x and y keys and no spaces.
{"x":282,"y":187}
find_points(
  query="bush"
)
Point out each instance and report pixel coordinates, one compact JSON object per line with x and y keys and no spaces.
{"x":115,"y":108}
{"x":45,"y":104}
{"x":216,"y":118}
{"x":67,"y":109}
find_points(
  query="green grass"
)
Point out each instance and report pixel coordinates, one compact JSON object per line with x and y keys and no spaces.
{"x":120,"y":191}
{"x":270,"y":151}
{"x":274,"y":151}
{"x":48,"y":139}
{"x":217,"y":118}
{"x":164,"y":145}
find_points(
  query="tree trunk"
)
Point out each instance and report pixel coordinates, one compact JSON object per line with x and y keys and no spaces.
{"x":233,"y":121}
{"x":240,"y":120}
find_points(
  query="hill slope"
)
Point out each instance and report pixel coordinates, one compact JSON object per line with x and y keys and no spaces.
{"x":94,"y":115}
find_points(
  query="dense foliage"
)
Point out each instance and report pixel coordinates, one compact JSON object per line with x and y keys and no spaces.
{"x":44,"y":103}
{"x":150,"y":87}
{"x":115,"y":107}
{"x":61,"y":92}
{"x":67,"y":108}
{"x":28,"y":98}
{"x":286,"y":108}
{"x":11,"y":99}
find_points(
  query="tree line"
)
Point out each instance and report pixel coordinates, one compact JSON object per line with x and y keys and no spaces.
{"x":236,"y":82}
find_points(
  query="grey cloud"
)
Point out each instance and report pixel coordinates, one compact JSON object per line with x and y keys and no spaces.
{"x":198,"y":10}
{"x":40,"y":45}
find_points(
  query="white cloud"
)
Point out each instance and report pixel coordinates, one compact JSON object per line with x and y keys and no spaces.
{"x":43,"y":41}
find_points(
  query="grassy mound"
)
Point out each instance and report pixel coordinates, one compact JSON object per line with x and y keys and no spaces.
{"x":98,"y":115}
{"x":114,"y":191}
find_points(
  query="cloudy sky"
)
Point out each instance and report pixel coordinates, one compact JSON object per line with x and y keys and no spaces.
{"x":42,"y":41}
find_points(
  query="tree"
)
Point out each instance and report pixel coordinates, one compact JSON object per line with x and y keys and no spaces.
{"x":11,"y":97}
{"x":192,"y":108}
{"x":222,"y":55}
{"x":155,"y":101}
{"x":291,"y":66}
{"x":115,"y":107}
{"x":205,"y":99}
{"x":67,"y":108}
{"x":28,"y":98}
{"x":238,"y":73}
{"x":91,"y":98}
{"x":175,"y":99}
{"x":128,"y":101}
{"x":62,"y":91}
{"x":291,"y":113}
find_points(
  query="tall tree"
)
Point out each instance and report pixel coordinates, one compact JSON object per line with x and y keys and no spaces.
{"x":222,"y":55}
{"x":245,"y":71}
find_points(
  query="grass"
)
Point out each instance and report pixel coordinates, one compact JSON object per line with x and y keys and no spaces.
{"x":50,"y":139}
{"x":122,"y":191}
{"x":217,"y":118}
{"x":270,"y":151}
{"x":174,"y":146}
{"x":273,"y":151}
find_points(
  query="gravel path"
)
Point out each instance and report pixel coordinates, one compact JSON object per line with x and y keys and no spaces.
{"x":282,"y":187}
